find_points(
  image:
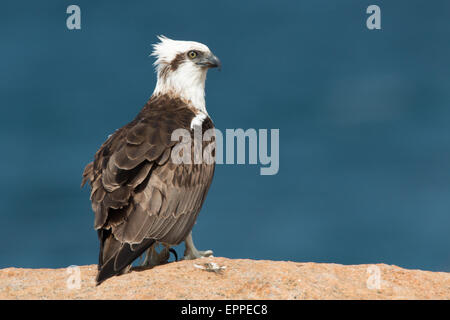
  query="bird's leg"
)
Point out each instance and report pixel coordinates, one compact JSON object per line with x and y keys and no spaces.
{"x":153,"y":258}
{"x":149,"y":256}
{"x":164,"y":255}
{"x":191,"y":251}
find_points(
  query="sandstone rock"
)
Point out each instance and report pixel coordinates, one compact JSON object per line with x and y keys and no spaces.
{"x":240,"y":279}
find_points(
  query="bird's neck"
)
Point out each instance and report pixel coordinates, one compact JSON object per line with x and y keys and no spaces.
{"x":186,"y":86}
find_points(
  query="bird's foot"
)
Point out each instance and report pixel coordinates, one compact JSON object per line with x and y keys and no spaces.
{"x":196,"y":254}
{"x":155,"y":258}
{"x":191,"y":251}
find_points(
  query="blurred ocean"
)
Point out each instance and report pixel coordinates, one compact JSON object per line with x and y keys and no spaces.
{"x":364,"y":119}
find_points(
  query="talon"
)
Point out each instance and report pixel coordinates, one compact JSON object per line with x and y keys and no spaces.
{"x":174,"y":253}
{"x":154,"y":258}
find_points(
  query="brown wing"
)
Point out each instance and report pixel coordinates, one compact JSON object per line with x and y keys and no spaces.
{"x":138,"y":194}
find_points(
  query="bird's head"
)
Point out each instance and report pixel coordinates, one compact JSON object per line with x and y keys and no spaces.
{"x":181,"y":67}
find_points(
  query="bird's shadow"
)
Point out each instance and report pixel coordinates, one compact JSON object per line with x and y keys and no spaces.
{"x":144,"y":268}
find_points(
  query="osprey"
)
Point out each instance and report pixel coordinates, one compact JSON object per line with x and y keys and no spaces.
{"x":140,"y":197}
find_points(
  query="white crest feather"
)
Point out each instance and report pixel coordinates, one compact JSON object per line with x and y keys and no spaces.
{"x":167,"y":49}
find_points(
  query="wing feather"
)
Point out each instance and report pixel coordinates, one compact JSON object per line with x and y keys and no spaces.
{"x":138,"y":195}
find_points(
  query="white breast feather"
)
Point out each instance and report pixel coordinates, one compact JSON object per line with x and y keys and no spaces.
{"x":198,"y":120}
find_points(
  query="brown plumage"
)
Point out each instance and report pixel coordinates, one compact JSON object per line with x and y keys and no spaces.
{"x":139,"y":196}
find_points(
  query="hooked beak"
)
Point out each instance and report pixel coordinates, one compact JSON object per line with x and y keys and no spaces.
{"x":210,"y":61}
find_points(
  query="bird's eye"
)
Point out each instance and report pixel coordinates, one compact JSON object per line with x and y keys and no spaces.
{"x":192,"y":54}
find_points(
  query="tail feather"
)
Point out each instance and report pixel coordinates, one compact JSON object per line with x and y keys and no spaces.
{"x":117,"y":256}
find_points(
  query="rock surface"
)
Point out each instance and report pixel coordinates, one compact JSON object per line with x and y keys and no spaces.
{"x":240,"y":279}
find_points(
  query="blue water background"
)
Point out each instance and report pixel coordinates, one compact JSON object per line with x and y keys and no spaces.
{"x":364,"y":119}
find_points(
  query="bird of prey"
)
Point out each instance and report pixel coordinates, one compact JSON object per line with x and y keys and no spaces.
{"x":140,"y":197}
